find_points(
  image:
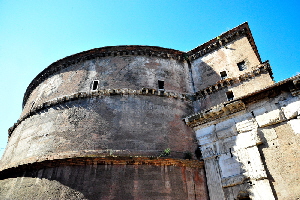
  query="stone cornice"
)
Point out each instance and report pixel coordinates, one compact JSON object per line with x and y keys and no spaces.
{"x":91,"y":160}
{"x":97,"y":93}
{"x":222,"y":40}
{"x":262,"y":68}
{"x":214,"y":113}
{"x":291,"y":85}
{"x":109,"y":51}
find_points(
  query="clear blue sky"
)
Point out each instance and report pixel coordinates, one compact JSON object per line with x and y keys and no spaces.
{"x":35,"y":33}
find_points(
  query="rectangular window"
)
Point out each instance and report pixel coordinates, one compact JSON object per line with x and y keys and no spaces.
{"x":229,"y":95}
{"x":95,"y":85}
{"x":242,"y":66}
{"x":161,"y":85}
{"x":223,"y":75}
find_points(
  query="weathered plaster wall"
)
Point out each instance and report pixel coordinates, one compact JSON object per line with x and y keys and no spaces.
{"x":251,"y":85}
{"x":107,"y":182}
{"x":239,"y":86}
{"x":113,"y":72}
{"x":125,"y":125}
{"x":254,"y":151}
{"x":206,"y":70}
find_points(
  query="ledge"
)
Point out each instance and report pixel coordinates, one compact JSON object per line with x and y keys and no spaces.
{"x":108,"y":160}
{"x":291,"y":85}
{"x":262,"y":68}
{"x":214,"y":113}
{"x":97,"y":93}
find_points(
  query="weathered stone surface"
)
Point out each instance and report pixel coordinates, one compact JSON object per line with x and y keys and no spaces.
{"x":107,"y":182}
{"x":267,"y":133}
{"x":229,"y":166}
{"x":261,"y":190}
{"x":226,"y":129}
{"x":126,"y":107}
{"x":206,"y":135}
{"x":295,"y":124}
{"x":213,"y":180}
{"x":245,"y":122}
{"x":290,"y":107}
{"x":103,"y":124}
{"x":269,"y":118}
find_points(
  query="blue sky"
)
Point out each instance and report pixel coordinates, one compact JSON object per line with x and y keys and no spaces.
{"x":35,"y":33}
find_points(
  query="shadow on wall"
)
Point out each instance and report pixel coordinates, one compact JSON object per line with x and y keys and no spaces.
{"x":209,"y":90}
{"x":106,"y":182}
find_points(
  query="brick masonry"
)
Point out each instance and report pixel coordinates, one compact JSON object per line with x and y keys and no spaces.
{"x":138,"y":122}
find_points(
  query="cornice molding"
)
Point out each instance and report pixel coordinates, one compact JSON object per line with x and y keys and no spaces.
{"x":222,"y":40}
{"x":260,"y":69}
{"x":216,"y":112}
{"x":13,"y":171}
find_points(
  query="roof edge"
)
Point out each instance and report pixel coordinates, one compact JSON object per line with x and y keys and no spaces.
{"x":223,"y":39}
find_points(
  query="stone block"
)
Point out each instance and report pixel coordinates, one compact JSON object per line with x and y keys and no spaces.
{"x":261,"y":190}
{"x":290,"y":107}
{"x":225,"y":133}
{"x":226,"y":129}
{"x":226,"y":145}
{"x":251,"y":163}
{"x":246,"y":125}
{"x":268,"y":133}
{"x":206,"y":135}
{"x":208,"y":150}
{"x":229,"y":165}
{"x":234,"y":180}
{"x":246,"y":139}
{"x":295,"y":124}
{"x":269,"y":118}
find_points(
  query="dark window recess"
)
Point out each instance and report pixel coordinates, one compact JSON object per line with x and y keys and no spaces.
{"x":229,"y":95}
{"x":32,"y":104}
{"x":95,"y":85}
{"x":223,"y":75}
{"x":242,"y":66}
{"x":161,"y":85}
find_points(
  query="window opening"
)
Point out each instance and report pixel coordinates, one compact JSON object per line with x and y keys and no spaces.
{"x":242,"y":66}
{"x":229,"y":95}
{"x":32,"y":104}
{"x":95,"y":85}
{"x":161,"y":85}
{"x":223,"y":75}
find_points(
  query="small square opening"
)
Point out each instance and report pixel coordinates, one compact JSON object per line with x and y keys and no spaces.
{"x":242,"y":66}
{"x":161,"y":85}
{"x":229,"y":95}
{"x":95,"y":85}
{"x":223,"y":75}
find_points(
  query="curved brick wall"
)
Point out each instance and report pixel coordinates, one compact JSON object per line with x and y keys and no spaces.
{"x":104,"y":53}
{"x":74,"y":141}
{"x":89,"y":178}
{"x":142,"y":123}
